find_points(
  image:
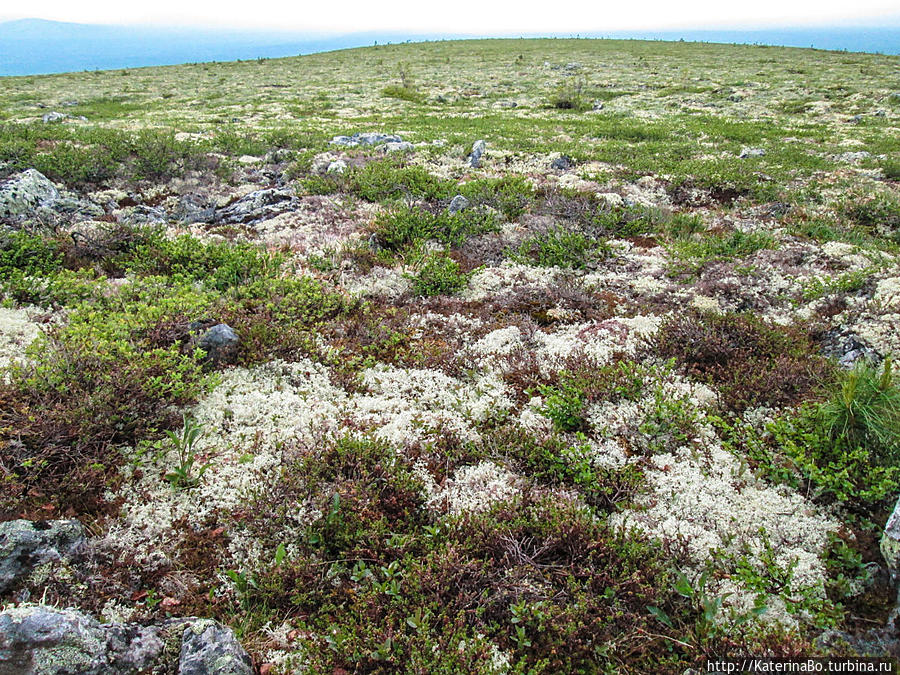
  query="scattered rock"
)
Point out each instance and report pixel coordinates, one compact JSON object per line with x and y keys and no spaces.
{"x":249,"y":160}
{"x":401,"y":146}
{"x":505,"y":105}
{"x":474,"y":158}
{"x":457,"y":204}
{"x":256,"y":206}
{"x":26,"y":544}
{"x":141,"y":214}
{"x":41,"y":640}
{"x":209,"y":648}
{"x":220,"y":344}
{"x":751,"y":152}
{"x":337,"y":166}
{"x":193,"y":208}
{"x":50,"y":117}
{"x":848,"y":348}
{"x":562,"y":163}
{"x":368,"y":138}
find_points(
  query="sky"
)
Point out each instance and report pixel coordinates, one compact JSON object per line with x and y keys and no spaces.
{"x":481,"y":17}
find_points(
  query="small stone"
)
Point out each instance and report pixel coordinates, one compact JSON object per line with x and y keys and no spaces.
{"x":248,"y":160}
{"x":751,"y":152}
{"x":220,"y":344}
{"x":562,"y":163}
{"x":478,"y":149}
{"x":209,"y":648}
{"x":457,"y":204}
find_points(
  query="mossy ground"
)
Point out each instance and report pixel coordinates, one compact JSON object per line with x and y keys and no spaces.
{"x":583,"y":425}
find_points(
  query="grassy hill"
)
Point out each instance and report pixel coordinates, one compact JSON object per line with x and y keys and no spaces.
{"x":616,"y":396}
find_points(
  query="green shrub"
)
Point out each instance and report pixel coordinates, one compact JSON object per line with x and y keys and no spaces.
{"x":562,"y":248}
{"x":402,"y":93}
{"x":382,"y":181}
{"x":511,"y":195}
{"x":438,"y":274}
{"x":569,"y":96}
{"x":399,"y":228}
{"x":864,"y":411}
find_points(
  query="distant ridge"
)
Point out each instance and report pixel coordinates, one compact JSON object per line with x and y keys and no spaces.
{"x":37,"y":46}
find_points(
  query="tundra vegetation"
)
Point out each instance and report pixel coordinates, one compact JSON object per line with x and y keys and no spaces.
{"x":627,"y":404}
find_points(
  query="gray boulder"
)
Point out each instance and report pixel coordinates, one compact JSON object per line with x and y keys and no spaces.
{"x":751,"y":152}
{"x":31,"y":195}
{"x":474,"y":158}
{"x":367,"y":138}
{"x":220,"y":344}
{"x":193,"y":208}
{"x":22,"y":195}
{"x":41,"y":640}
{"x":208,"y":648}
{"x":457,"y":204}
{"x":50,"y":117}
{"x":257,"y":206}
{"x":26,"y":544}
{"x":562,"y":163}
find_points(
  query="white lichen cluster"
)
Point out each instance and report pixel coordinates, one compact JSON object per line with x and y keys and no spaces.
{"x":17,"y":331}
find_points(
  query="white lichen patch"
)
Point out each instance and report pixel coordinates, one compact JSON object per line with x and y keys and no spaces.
{"x":707,"y":505}
{"x":472,"y":489}
{"x":409,"y":406}
{"x":17,"y":331}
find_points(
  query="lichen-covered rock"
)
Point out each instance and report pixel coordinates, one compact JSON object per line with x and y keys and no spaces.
{"x":457,"y":204}
{"x":25,"y":544}
{"x":478,"y":149}
{"x":31,"y":195}
{"x":367,"y":138}
{"x":890,"y":542}
{"x":256,"y":206}
{"x":208,"y":648}
{"x":41,"y":640}
{"x":26,"y":192}
{"x":220,"y":344}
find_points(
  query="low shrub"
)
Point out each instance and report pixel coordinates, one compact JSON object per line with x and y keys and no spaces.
{"x":749,"y":362}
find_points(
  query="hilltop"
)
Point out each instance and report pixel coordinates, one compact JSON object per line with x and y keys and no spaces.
{"x":488,"y":356}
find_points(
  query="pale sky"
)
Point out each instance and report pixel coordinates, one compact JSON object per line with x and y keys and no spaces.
{"x":480,"y":17}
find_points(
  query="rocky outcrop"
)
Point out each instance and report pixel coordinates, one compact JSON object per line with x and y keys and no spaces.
{"x":209,"y":647}
{"x":32,"y":196}
{"x":26,"y":544}
{"x":257,"y":206}
{"x":41,"y":640}
{"x":367,"y":138}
